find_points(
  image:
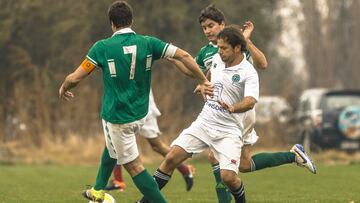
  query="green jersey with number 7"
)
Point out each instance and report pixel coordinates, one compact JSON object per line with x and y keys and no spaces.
{"x":126,"y":59}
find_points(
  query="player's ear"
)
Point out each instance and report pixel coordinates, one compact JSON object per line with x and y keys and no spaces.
{"x":222,"y":24}
{"x":113,"y":27}
{"x":237,"y":48}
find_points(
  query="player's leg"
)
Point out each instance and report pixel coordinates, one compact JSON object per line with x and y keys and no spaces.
{"x":144,"y":181}
{"x":118,"y":182}
{"x":123,"y":141}
{"x":182,"y":148}
{"x":150,"y":130}
{"x":264,"y":160}
{"x":106,"y":166}
{"x":259,"y":161}
{"x":163,"y":174}
{"x":158,"y":146}
{"x":235,"y":185}
{"x":222,"y":192}
{"x":227,"y":151}
{"x":107,"y":163}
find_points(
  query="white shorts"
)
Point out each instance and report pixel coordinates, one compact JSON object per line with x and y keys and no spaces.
{"x":225,"y":146}
{"x":121,"y":141}
{"x":150,"y":129}
{"x":249,"y":134}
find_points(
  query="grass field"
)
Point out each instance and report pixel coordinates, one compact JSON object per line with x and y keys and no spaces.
{"x":45,"y":184}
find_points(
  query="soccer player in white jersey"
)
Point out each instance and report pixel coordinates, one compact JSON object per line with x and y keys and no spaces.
{"x":150,"y":130}
{"x":219,"y":125}
{"x":212,"y":21}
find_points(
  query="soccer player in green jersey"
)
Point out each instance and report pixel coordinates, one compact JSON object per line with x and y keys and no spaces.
{"x":212,"y":21}
{"x":126,"y":59}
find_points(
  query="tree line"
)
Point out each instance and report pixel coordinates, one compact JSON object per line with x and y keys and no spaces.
{"x":43,"y":40}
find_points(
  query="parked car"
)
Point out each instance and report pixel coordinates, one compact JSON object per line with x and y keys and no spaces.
{"x":329,"y":119}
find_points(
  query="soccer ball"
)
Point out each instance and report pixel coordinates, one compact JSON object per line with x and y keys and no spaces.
{"x":108,"y":199}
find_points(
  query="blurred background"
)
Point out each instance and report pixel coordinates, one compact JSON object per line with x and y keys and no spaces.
{"x":309,"y":44}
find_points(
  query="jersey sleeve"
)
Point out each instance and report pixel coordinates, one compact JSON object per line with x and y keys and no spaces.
{"x":160,"y":48}
{"x":252,"y":85}
{"x":94,"y":54}
{"x":200,"y":60}
{"x":247,"y":55}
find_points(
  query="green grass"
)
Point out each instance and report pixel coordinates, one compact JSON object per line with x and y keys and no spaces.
{"x":37,"y":184}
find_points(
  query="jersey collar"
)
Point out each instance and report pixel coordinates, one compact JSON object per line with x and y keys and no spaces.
{"x":123,"y":31}
{"x":238,"y":66}
{"x":212,"y":44}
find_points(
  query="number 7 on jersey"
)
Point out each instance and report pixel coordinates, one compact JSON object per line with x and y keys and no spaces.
{"x":131,"y":50}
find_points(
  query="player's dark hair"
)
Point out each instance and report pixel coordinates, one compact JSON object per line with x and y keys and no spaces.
{"x":120,"y":14}
{"x":212,"y":13}
{"x":232,"y":34}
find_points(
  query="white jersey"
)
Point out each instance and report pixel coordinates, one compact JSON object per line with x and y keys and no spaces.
{"x":153,"y":110}
{"x":231,"y":85}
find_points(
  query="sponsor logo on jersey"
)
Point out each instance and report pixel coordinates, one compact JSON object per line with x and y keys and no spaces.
{"x":209,"y":53}
{"x":216,"y":107}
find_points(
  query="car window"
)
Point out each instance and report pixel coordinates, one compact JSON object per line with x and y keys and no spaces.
{"x":340,"y":101}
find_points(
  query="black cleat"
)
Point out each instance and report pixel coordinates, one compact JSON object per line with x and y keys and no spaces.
{"x":189,"y":181}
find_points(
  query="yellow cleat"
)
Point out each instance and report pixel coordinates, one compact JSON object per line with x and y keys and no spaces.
{"x":94,"y":195}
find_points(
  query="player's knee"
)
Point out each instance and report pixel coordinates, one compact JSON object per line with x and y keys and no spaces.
{"x":229,"y":177}
{"x":171,"y":160}
{"x":245,"y":166}
{"x":212,"y":159}
{"x":134,"y":167}
{"x":156,"y":148}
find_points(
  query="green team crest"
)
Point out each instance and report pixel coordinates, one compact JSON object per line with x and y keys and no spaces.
{"x":235,"y":78}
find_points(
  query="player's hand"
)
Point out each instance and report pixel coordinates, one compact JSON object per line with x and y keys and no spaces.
{"x":197,"y":90}
{"x":226,"y":106}
{"x":248,"y":27}
{"x":64,"y":94}
{"x":205,"y":89}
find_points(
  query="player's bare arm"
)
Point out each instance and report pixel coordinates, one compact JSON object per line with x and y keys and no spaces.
{"x":181,"y":67}
{"x":197,"y":89}
{"x":246,"y":104}
{"x":74,"y":78}
{"x":206,"y":88}
{"x":258,"y":56}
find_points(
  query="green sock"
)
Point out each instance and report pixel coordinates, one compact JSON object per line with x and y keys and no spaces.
{"x":265,"y":160}
{"x":148,"y":187}
{"x":222,"y":192}
{"x":216,"y":171}
{"x":106,"y":167}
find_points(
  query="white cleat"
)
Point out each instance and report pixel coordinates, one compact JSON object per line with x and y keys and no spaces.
{"x":302,"y":159}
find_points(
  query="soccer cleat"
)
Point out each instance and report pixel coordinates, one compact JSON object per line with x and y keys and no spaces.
{"x":189,"y":178}
{"x":302,"y":159}
{"x":116,"y":185}
{"x":94,"y":195}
